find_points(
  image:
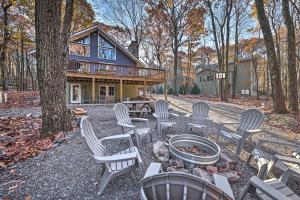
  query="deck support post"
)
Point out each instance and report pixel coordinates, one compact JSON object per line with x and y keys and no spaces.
{"x":144,"y":89}
{"x":121,"y":90}
{"x":93,"y":90}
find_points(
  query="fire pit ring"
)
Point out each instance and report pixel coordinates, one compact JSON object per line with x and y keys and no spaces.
{"x":202,"y":143}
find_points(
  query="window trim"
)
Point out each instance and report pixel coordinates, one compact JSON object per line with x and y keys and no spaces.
{"x":111,"y":86}
{"x":99,"y":48}
{"x":86,"y":45}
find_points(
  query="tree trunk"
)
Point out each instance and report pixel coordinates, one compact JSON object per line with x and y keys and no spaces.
{"x":175,"y":52}
{"x":52,"y":33}
{"x":236,"y":49}
{"x":254,"y":62}
{"x":5,"y":8}
{"x":291,"y":48}
{"x":228,"y":13}
{"x":278,"y":97}
{"x":219,"y":56}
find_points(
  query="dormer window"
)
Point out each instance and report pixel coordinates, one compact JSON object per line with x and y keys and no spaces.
{"x":106,"y":50}
{"x":80,"y":47}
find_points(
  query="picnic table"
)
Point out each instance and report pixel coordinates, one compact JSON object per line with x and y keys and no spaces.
{"x":144,"y":107}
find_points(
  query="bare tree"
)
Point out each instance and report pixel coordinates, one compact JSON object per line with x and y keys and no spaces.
{"x":176,"y":14}
{"x":291,"y":51}
{"x":220,"y":16}
{"x":52,"y":34}
{"x":278,"y":97}
{"x":5,"y":5}
{"x":129,"y":14}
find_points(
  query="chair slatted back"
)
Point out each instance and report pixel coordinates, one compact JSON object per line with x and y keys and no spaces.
{"x":200,"y":111}
{"x":178,"y":186}
{"x":122,"y":113}
{"x":90,"y":137}
{"x":250,"y":119}
{"x":162,"y":110}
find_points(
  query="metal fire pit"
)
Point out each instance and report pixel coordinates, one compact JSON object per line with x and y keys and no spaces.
{"x":192,"y":140}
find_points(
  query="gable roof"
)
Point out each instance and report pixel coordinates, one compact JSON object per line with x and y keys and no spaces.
{"x":215,"y":66}
{"x":96,"y":27}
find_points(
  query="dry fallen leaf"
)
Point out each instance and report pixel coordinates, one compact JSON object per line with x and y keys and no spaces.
{"x":29,"y":197}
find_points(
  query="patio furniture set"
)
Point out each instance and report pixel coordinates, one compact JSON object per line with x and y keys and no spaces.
{"x":177,"y":185}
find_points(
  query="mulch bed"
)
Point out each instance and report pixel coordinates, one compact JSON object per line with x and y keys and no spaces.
{"x":21,"y":99}
{"x":20,"y":139}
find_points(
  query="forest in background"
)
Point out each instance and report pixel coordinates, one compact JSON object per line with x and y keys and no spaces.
{"x":179,"y":36}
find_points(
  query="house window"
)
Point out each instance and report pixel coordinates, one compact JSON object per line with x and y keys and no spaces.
{"x":80,"y":47}
{"x":208,"y":78}
{"x":111,"y":91}
{"x":106,"y":50}
{"x":200,"y":79}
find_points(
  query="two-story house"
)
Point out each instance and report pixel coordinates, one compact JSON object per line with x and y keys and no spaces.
{"x":102,"y":71}
{"x":245,"y":78}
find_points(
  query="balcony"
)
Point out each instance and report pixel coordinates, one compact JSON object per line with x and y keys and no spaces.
{"x":109,"y":70}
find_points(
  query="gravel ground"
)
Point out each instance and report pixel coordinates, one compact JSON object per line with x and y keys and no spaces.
{"x":69,"y":172}
{"x":13,"y":112}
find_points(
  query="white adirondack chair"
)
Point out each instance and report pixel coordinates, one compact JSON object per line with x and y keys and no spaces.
{"x":122,"y":114}
{"x":114,"y":164}
{"x":249,"y":123}
{"x":272,"y":189}
{"x":182,"y":186}
{"x":162,"y":115}
{"x":266,"y":162}
{"x":199,"y":117}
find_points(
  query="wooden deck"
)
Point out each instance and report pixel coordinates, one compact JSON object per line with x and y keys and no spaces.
{"x":117,"y":74}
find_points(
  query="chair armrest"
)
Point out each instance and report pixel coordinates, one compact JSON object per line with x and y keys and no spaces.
{"x":264,"y":187}
{"x":222,"y":183}
{"x":175,"y":115}
{"x":154,"y":168}
{"x":224,"y":123}
{"x":279,"y":142}
{"x":117,"y":137}
{"x":116,"y":158}
{"x":288,"y":159}
{"x":253,"y":131}
{"x":126,"y":125}
{"x":188,"y":115}
{"x":288,"y":173}
{"x":139,"y":119}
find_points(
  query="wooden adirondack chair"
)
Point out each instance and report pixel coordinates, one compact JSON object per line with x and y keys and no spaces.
{"x":249,"y":123}
{"x":266,"y":162}
{"x":272,"y":189}
{"x":122,"y":114}
{"x":199,"y":117}
{"x":177,"y":185}
{"x":114,"y":164}
{"x":162,"y":115}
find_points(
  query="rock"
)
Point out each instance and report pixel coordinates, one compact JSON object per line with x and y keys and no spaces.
{"x":174,"y":169}
{"x":202,"y":174}
{"x":212,"y":169}
{"x":231,"y":176}
{"x":29,"y":115}
{"x":176,"y":163}
{"x":160,"y":149}
{"x":225,"y":163}
{"x":163,"y":158}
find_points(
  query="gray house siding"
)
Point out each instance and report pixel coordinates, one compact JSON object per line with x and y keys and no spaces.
{"x":245,"y":79}
{"x":121,"y":58}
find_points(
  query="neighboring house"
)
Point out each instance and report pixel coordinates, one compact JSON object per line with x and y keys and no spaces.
{"x":245,"y":78}
{"x":102,"y":71}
